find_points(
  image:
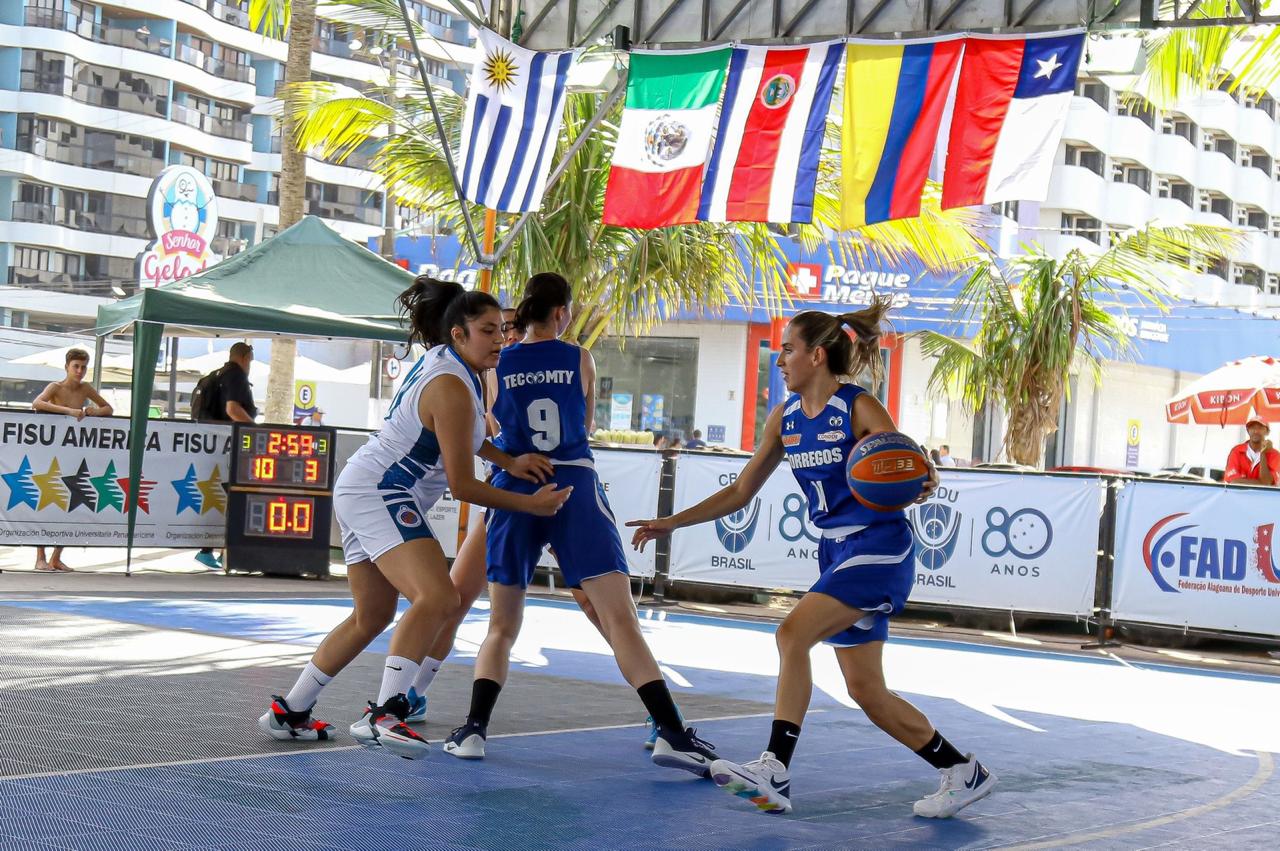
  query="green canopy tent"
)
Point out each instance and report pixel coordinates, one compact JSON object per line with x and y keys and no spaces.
{"x":307,"y":281}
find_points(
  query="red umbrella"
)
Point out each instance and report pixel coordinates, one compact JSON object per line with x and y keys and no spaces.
{"x":1230,"y":395}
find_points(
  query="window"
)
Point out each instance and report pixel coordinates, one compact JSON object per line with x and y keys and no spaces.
{"x":1137,"y":107}
{"x":1217,"y":268}
{"x":1223,"y":144}
{"x":1256,"y":158}
{"x":1129,"y":172}
{"x":197,"y":162}
{"x":1078,"y":224}
{"x":1273,"y":285}
{"x":1261,"y":101}
{"x":1252,"y":217}
{"x":658,"y":373}
{"x":1227,"y":86}
{"x":1176,"y":124}
{"x":35,"y":193}
{"x":1178,"y":190}
{"x":25,"y":257}
{"x":1008,"y":209}
{"x":1085,"y":157}
{"x":221,"y":170}
{"x":1214,"y":202}
{"x":1087,"y":87}
{"x":1246,"y":275}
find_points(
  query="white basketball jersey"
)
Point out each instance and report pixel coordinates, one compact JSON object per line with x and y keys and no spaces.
{"x":404,"y":453}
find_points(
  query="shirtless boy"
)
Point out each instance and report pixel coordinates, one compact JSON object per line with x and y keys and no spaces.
{"x":75,"y":398}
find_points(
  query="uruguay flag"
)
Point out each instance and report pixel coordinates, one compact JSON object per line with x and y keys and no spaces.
{"x":1010,"y":107}
{"x":514,"y":112}
{"x":764,"y":166}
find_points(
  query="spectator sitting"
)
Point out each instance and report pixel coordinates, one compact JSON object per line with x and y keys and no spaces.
{"x":1244,"y":463}
{"x":944,"y":456}
{"x":935,"y":457}
{"x":696,"y":442}
{"x":74,"y":397}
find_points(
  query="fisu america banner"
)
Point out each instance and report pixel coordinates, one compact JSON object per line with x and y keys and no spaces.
{"x":1197,"y":556}
{"x":986,"y":540}
{"x":64,"y":481}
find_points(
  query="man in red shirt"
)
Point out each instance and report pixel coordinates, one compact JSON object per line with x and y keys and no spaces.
{"x":1244,"y":464}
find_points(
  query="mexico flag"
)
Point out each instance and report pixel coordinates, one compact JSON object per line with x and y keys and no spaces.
{"x":664,"y":137}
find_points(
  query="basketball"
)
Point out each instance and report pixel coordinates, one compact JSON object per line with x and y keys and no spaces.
{"x":887,"y":471}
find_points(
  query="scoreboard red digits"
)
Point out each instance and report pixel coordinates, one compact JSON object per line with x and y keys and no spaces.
{"x":279,"y":516}
{"x":288,"y":457}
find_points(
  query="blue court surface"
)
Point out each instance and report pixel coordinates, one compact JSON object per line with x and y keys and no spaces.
{"x":131,"y":723}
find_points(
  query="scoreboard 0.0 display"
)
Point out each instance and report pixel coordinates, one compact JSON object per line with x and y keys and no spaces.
{"x":281,"y":504}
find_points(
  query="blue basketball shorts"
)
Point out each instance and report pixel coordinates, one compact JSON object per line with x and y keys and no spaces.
{"x":583,"y":535}
{"x":872,"y":570}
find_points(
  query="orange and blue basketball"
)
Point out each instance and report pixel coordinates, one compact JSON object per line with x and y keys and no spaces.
{"x":887,"y":471}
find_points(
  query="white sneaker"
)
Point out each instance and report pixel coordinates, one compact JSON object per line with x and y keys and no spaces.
{"x":383,"y":727}
{"x":466,"y":742}
{"x":765,"y":782}
{"x":693,"y":755}
{"x":961,"y":785}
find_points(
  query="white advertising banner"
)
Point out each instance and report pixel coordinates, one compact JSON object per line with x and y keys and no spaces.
{"x":1197,"y":556}
{"x":64,"y":481}
{"x":630,"y":481}
{"x":986,"y":540}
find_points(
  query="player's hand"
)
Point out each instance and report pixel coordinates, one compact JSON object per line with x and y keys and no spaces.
{"x":929,"y":486}
{"x":650,"y":530}
{"x":548,"y":500}
{"x":80,"y":414}
{"x":532,"y":467}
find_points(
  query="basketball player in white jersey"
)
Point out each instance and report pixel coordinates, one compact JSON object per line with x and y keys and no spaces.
{"x":435,"y":425}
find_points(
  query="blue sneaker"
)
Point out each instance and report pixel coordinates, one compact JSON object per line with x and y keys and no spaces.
{"x":209,"y":560}
{"x":653,"y":733}
{"x":417,"y":707}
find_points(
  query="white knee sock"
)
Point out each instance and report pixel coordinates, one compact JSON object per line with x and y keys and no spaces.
{"x":427,"y":673}
{"x":305,"y":691}
{"x":397,"y":676}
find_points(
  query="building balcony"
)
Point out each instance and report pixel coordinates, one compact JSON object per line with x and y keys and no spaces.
{"x":344,"y":212}
{"x":90,"y":156}
{"x":1254,"y":187}
{"x":1132,"y":139}
{"x":1074,"y":187}
{"x":225,"y":128}
{"x":1256,"y":129}
{"x":87,"y":93}
{"x":218,"y":68}
{"x":133,"y":227}
{"x":233,"y":15}
{"x":1128,"y":205}
{"x":1175,"y":156}
{"x":57,"y":19}
{"x":21,"y":277}
{"x":1089,"y":123}
{"x":1216,"y":172}
{"x":235,"y":190}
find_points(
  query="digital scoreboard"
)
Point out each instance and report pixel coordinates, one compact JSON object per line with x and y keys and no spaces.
{"x":281,"y":499}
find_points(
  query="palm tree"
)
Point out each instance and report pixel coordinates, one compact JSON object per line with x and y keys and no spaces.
{"x":1184,"y":61}
{"x":273,"y":18}
{"x":1038,"y":318}
{"x":624,"y":280}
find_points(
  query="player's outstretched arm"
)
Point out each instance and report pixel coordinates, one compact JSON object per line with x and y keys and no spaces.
{"x":728,"y":499}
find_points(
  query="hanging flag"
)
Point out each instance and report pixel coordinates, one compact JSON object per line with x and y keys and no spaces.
{"x":514,"y":112}
{"x":1011,"y":105}
{"x":894,"y":96}
{"x":764,"y":166}
{"x":664,"y":137}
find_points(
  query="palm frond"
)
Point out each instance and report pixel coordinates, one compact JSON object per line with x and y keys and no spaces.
{"x":270,"y":17}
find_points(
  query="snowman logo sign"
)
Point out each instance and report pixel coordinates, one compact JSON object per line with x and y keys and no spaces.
{"x":184,"y":218}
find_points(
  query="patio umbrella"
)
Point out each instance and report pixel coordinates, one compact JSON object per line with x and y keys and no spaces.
{"x":1230,"y":395}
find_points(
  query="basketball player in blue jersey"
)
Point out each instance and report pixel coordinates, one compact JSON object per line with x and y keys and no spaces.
{"x":435,"y":425}
{"x":865,"y":561}
{"x":546,"y":394}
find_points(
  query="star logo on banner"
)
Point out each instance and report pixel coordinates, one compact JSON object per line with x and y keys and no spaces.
{"x":53,"y":491}
{"x":110,"y":494}
{"x":144,"y":491}
{"x":1047,"y":67}
{"x":81,"y":489}
{"x":188,"y":492}
{"x":211,"y":489}
{"x":500,"y":70}
{"x":22,"y":490}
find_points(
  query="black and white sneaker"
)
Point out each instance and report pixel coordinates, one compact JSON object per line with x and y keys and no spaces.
{"x":685,"y":751}
{"x":384,"y":727}
{"x":466,"y":742}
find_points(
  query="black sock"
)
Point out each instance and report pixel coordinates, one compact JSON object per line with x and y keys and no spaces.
{"x":484,"y":694}
{"x":657,"y":699}
{"x":940,"y":753}
{"x":782,"y":741}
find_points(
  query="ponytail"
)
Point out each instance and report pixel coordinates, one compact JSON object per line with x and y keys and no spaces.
{"x":433,"y":308}
{"x":846,"y":357}
{"x":543,"y":293}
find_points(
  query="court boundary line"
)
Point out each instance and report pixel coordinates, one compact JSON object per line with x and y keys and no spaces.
{"x":304,"y":751}
{"x":1266,"y":767}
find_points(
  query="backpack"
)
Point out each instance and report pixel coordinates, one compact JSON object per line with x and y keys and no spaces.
{"x":204,"y":398}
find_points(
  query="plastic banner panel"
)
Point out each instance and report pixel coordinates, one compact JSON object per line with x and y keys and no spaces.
{"x":1197,"y":556}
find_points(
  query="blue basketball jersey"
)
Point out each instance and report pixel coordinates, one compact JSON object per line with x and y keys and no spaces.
{"x":818,"y":450}
{"x":541,"y":406}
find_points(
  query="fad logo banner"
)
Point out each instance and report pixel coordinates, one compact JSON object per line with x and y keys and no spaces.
{"x":63,"y":480}
{"x":1197,"y":556}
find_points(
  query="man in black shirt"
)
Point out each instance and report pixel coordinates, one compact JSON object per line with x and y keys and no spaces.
{"x":233,"y":402}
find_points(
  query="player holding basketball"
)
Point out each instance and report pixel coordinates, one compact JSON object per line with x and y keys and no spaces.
{"x":546,"y":397}
{"x":864,"y":560}
{"x":435,"y":425}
